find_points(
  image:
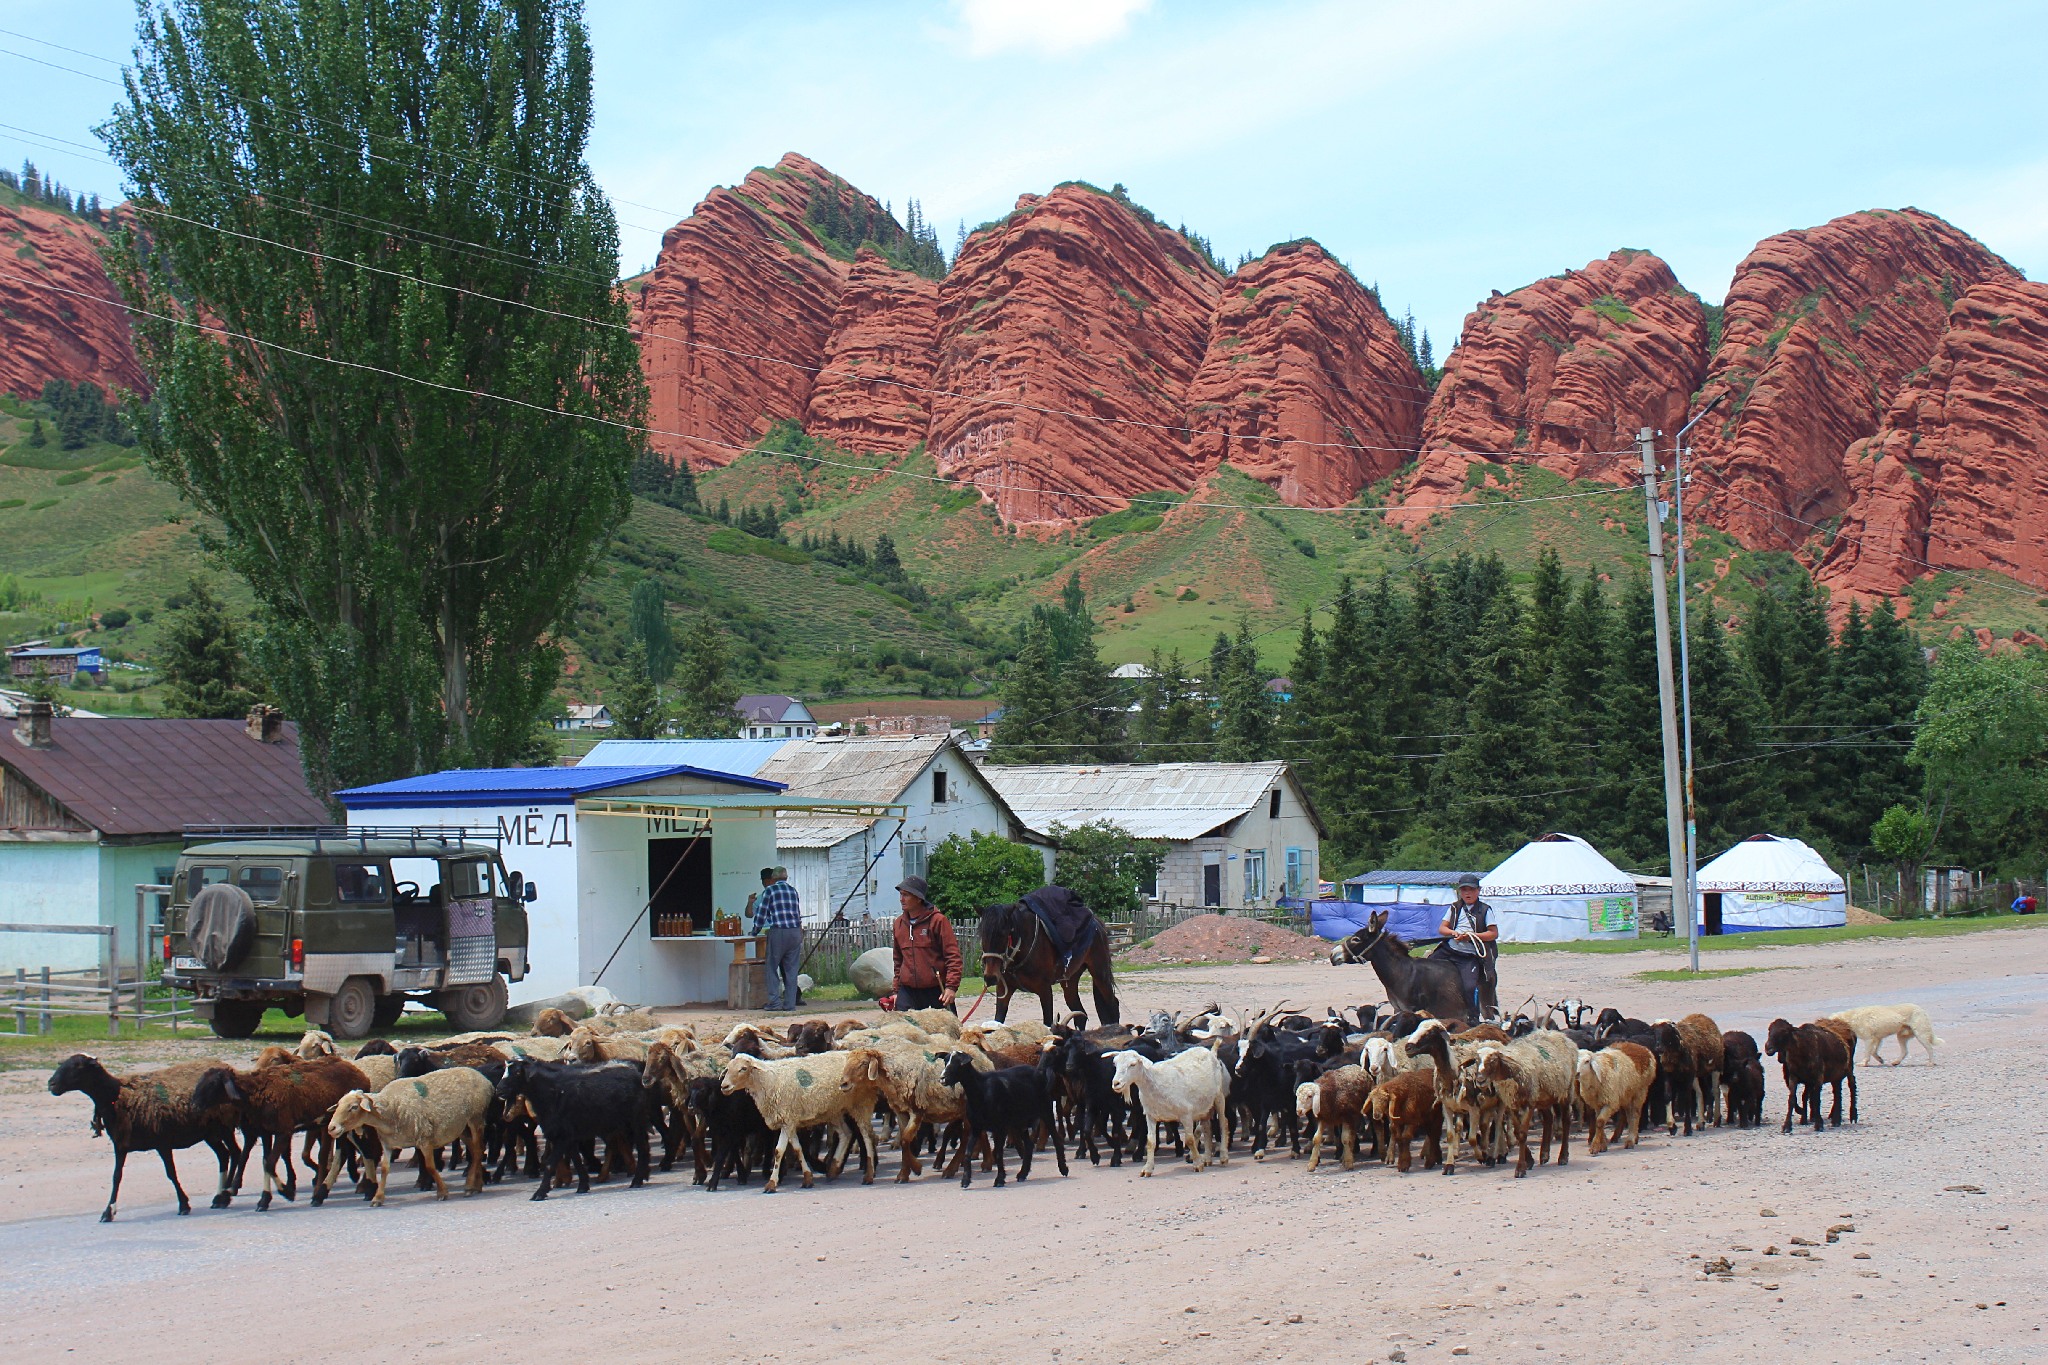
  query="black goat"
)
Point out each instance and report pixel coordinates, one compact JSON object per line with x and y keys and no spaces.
{"x":1263,"y":1086}
{"x":1008,"y":1105}
{"x":1610,"y":1023}
{"x":152,"y":1113}
{"x":1089,"y":1072}
{"x":574,"y":1104}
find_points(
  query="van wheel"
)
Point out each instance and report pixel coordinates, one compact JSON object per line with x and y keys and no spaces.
{"x":474,"y":1008}
{"x":352,"y":1010}
{"x":236,"y":1018}
{"x":389,"y":1007}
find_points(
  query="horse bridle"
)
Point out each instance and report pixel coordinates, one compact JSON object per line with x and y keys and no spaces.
{"x":1363,"y":953}
{"x":1016,"y":949}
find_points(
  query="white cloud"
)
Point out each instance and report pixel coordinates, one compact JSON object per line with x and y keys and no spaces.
{"x":1048,"y":27}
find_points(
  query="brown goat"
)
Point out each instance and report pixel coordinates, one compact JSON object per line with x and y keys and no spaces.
{"x":1400,"y":1109}
{"x":1340,"y":1103}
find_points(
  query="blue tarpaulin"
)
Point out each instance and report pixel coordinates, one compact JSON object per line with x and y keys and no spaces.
{"x":1410,"y":920}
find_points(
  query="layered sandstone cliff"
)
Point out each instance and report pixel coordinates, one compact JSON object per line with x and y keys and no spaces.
{"x":1305,"y":383}
{"x":54,"y":320}
{"x":1562,"y":373}
{"x":1820,"y":330}
{"x":1956,"y":479}
{"x":1068,"y":335}
{"x":872,"y":391}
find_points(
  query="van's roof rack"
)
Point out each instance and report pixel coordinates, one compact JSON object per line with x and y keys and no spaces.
{"x":421,"y":838}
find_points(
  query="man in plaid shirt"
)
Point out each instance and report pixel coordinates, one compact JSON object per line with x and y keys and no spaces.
{"x":781,"y":916}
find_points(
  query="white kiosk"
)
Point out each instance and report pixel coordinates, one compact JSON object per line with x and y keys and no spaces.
{"x":633,"y":866}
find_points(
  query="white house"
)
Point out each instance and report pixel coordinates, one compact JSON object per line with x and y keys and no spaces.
{"x":764,"y":716}
{"x":1770,"y":882}
{"x":925,"y":783}
{"x":632,"y":863}
{"x":1236,"y":833}
{"x":90,"y":808}
{"x":583,"y":715}
{"x":1560,"y":887}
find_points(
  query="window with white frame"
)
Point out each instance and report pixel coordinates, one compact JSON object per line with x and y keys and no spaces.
{"x":913,"y":859}
{"x":1254,"y":875}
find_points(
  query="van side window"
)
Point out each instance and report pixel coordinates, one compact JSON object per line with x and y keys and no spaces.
{"x":469,"y":879}
{"x":265,"y":885}
{"x":196,"y":877}
{"x":359,"y":883}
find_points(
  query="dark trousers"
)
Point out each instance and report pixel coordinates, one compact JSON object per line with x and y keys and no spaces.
{"x":921,"y":998}
{"x":1476,"y":979}
{"x":785,"y":951}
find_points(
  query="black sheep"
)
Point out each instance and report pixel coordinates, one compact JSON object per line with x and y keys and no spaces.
{"x":1811,"y":1057}
{"x":1675,"y":1069}
{"x":1742,"y":1077}
{"x":574,"y":1104}
{"x":152,"y":1113}
{"x":1008,"y":1105}
{"x":739,"y":1135}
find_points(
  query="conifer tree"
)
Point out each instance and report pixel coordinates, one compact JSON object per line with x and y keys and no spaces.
{"x":1173,"y":721}
{"x":1580,"y":660}
{"x":200,"y":660}
{"x":1627,"y":818}
{"x":1492,"y":786}
{"x":1733,"y":786}
{"x":637,"y":708}
{"x":704,"y":690}
{"x":647,"y":619}
{"x":1878,"y":679}
{"x":1244,"y":708}
{"x":1033,"y":725}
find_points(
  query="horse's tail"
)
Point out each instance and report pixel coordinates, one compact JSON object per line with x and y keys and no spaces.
{"x":1102,"y":977}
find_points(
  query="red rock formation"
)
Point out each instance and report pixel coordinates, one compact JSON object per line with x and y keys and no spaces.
{"x":1306,"y":384}
{"x":873,"y":390}
{"x":738,"y":311}
{"x":1956,"y":479}
{"x":1073,"y":305}
{"x":1820,"y":329}
{"x":48,"y":335}
{"x":1562,"y":372}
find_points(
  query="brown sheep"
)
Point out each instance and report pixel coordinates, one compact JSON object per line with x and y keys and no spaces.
{"x":1400,"y":1109}
{"x":1340,"y":1102}
{"x":1847,"y":1033}
{"x":1614,"y":1083}
{"x":274,"y":1102}
{"x":552,"y":1023}
{"x":1535,"y":1075}
{"x":1702,"y":1038}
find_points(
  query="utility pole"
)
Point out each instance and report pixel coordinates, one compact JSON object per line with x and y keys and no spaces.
{"x":1667,"y":699}
{"x":1679,"y":451}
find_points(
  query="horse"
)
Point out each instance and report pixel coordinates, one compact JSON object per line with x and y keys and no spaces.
{"x":1417,"y":984}
{"x":1018,"y":954}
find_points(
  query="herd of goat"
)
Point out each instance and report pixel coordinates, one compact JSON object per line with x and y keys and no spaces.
{"x":541,"y":1105}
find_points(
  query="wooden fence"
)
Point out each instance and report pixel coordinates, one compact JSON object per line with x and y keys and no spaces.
{"x":115,"y":989}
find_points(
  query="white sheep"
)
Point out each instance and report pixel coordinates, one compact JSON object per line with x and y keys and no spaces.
{"x":910,"y":1084}
{"x":795,"y":1093}
{"x":1189,"y":1088}
{"x":423,"y":1112}
{"x":1614,"y":1083}
{"x":534,"y":1049}
{"x":317,"y":1043}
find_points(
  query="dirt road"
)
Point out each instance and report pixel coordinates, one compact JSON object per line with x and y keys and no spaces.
{"x":1602,"y":1260}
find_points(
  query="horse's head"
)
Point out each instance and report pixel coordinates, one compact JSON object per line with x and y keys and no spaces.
{"x":1359,"y":945}
{"x":999,"y":932}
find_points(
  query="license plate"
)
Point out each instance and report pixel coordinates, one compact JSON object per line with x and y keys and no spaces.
{"x":184,"y":964}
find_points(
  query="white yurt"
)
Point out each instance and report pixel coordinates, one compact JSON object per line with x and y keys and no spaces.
{"x":1770,"y":882}
{"x":1559,"y":888}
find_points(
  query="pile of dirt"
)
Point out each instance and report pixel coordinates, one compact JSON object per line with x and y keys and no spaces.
{"x":1226,"y":938}
{"x":1858,"y":915}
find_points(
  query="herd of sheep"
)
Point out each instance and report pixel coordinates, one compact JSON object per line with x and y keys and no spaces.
{"x":582,"y":1099}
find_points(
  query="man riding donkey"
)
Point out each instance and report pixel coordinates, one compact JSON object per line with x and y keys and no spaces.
{"x":1469,"y":939}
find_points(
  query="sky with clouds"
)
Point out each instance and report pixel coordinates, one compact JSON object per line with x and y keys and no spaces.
{"x":1441,"y":149}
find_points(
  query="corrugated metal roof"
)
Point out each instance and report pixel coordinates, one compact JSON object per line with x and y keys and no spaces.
{"x":134,"y":777}
{"x":853,"y":767}
{"x":1149,"y":800}
{"x":477,"y":786}
{"x":816,"y":833}
{"x":717,"y":755}
{"x":1407,"y":878}
{"x":772,"y":708}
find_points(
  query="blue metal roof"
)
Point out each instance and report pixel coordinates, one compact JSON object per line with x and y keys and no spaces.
{"x":543,"y":786}
{"x":1407,"y":878}
{"x":719,"y":755}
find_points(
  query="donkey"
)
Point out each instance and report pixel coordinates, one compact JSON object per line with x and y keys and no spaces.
{"x":1413,"y":983}
{"x":1017,"y":953}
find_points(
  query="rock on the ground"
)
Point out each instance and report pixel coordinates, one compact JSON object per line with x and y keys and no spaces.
{"x":578,"y":1002}
{"x":873,"y":972}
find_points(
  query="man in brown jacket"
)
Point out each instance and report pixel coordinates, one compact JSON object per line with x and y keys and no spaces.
{"x":927,"y":951}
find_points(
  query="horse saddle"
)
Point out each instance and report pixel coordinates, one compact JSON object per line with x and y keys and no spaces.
{"x":1067,"y":920}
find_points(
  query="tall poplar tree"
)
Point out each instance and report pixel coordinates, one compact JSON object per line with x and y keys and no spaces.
{"x":375,"y":282}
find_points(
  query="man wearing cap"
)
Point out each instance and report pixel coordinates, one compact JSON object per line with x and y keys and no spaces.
{"x":1470,"y":936}
{"x":927,"y":951}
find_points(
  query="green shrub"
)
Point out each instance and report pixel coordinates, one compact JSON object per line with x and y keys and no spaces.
{"x":983,"y":869}
{"x":13,"y":502}
{"x":75,"y":476}
{"x":46,"y":502}
{"x":1105,"y":866}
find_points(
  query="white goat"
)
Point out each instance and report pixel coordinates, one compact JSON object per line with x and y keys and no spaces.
{"x":1189,"y":1088}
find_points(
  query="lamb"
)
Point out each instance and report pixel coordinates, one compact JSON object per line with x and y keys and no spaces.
{"x":738,"y":1134}
{"x":1090,"y":1072}
{"x":1536,"y":1075}
{"x":576,"y":1103}
{"x":376,"y":1047}
{"x":1006,"y":1106}
{"x":425,"y":1113}
{"x":534,"y":1049}
{"x":802,"y":1092}
{"x":275,"y":1102}
{"x":1703,"y":1040}
{"x":1677,"y":1067}
{"x":1190,"y":1088}
{"x":152,"y":1112}
{"x":1401,"y":1108}
{"x":1742,"y":1079}
{"x":810,"y":1036}
{"x":1339,"y":1102}
{"x":672,"y":1071}
{"x":1875,"y":1023}
{"x":1614,"y":1084}
{"x":1811,"y":1056}
{"x":752,"y":1041}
